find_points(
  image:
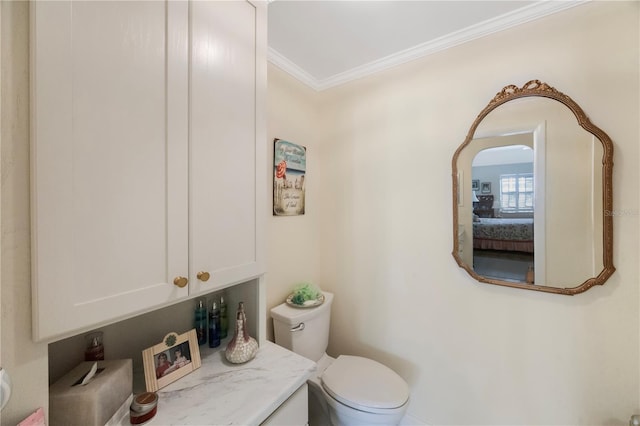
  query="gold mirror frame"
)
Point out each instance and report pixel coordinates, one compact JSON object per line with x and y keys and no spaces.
{"x":537,"y":88}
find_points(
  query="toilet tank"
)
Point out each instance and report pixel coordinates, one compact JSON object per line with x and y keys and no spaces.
{"x":304,"y":331}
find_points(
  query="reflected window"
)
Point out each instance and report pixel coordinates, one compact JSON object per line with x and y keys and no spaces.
{"x":516,"y":193}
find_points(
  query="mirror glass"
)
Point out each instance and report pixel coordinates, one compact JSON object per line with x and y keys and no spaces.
{"x":503,"y":209}
{"x":530,"y":186}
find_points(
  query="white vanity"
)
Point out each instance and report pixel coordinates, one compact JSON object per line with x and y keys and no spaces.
{"x":270,"y":389}
{"x":272,"y":384}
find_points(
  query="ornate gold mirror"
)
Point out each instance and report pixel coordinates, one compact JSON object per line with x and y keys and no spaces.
{"x":532,"y":194}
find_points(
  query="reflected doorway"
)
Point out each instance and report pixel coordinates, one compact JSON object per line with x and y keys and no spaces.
{"x":503,"y":196}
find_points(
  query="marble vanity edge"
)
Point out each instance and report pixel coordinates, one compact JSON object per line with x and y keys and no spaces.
{"x":242,"y":394}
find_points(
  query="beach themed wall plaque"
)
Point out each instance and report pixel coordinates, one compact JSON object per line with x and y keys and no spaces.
{"x":289,"y":169}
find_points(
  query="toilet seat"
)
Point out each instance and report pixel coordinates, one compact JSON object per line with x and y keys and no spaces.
{"x":364,"y":384}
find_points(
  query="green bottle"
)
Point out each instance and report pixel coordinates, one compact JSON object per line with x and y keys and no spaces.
{"x":224,"y":321}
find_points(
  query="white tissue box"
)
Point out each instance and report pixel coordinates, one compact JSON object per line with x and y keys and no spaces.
{"x":97,"y":401}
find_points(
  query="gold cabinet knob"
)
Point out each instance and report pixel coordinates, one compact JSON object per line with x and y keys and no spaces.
{"x":180,"y":281}
{"x":203,"y":276}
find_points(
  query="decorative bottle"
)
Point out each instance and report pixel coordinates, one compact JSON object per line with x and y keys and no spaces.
{"x":200,"y":322}
{"x":95,"y":348}
{"x":242,"y":347}
{"x":214,"y":326}
{"x":530,"y":278}
{"x":224,"y":320}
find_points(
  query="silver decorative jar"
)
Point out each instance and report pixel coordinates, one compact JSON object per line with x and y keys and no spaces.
{"x":242,"y":347}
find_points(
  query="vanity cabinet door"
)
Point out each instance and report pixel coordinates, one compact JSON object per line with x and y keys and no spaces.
{"x":293,"y":412}
{"x":109,"y":161}
{"x":227,"y":204}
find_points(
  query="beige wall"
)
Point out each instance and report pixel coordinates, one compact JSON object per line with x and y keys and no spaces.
{"x":25,"y":361}
{"x":293,"y":242}
{"x":475,"y":353}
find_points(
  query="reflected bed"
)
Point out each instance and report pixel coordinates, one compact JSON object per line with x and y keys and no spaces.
{"x":503,"y":234}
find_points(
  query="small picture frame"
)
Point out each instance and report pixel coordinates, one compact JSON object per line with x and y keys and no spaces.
{"x":485,"y":188}
{"x":475,"y":184}
{"x":173,"y":358}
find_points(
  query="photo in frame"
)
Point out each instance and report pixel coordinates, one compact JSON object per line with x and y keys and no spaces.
{"x":289,"y":169}
{"x":475,"y":184}
{"x":175,"y":357}
{"x":486,"y":188}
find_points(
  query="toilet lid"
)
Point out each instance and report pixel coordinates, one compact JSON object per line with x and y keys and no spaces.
{"x":364,"y":384}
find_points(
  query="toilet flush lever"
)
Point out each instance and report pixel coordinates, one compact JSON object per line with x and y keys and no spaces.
{"x":298,"y":327}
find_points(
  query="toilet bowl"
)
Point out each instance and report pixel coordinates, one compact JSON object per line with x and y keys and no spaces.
{"x":351,"y":390}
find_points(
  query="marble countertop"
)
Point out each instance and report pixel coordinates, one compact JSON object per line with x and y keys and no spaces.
{"x":222,"y":393}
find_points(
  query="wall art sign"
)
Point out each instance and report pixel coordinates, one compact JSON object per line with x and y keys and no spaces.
{"x":289,"y":169}
{"x":175,"y":357}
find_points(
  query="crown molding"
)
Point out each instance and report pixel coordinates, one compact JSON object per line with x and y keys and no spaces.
{"x":500,"y":23}
{"x":285,"y":64}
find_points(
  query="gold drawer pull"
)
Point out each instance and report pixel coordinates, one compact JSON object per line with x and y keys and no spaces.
{"x":180,"y":281}
{"x":203,"y":276}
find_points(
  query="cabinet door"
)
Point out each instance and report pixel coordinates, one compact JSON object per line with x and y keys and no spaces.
{"x":109,"y":160}
{"x":293,"y":412}
{"x":227,"y":139}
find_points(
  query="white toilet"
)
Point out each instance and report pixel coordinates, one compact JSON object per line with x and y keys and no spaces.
{"x":351,"y":390}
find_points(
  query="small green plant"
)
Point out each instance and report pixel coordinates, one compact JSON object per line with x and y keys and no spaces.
{"x":303,"y":292}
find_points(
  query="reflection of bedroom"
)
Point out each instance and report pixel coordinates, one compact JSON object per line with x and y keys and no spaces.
{"x":503,"y":213}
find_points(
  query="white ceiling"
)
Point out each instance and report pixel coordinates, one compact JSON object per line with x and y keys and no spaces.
{"x":324,"y":43}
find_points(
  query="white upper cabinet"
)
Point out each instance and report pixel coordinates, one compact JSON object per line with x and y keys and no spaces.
{"x":227,"y":142}
{"x":147,"y":145}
